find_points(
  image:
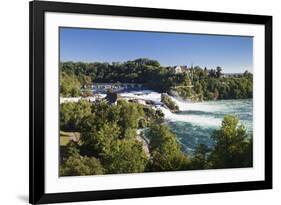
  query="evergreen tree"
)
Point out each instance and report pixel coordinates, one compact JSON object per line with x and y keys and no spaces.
{"x":199,"y":158}
{"x":233,"y":147}
{"x":166,"y":154}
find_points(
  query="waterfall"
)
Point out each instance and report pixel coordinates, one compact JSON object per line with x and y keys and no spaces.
{"x":200,"y":120}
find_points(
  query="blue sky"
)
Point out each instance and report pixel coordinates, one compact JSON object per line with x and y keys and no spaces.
{"x":232,"y":53}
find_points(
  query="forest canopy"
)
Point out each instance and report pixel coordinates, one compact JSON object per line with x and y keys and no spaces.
{"x":109,"y":142}
{"x":194,"y":83}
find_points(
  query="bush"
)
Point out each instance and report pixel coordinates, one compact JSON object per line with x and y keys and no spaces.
{"x":167,"y":100}
{"x":79,"y":166}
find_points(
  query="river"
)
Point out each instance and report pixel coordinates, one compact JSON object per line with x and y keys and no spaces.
{"x":196,"y":122}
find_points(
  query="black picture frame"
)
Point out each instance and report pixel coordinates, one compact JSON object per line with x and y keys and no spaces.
{"x":37,"y":10}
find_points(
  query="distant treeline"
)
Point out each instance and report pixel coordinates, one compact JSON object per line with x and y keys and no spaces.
{"x":196,"y":83}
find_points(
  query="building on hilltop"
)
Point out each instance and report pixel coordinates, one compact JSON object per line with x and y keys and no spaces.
{"x":180,"y":69}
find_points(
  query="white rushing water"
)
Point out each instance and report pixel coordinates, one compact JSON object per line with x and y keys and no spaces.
{"x":195,"y":122}
{"x":198,"y":106}
{"x":205,"y":114}
{"x":183,"y":106}
{"x":143,"y":95}
{"x":194,"y":119}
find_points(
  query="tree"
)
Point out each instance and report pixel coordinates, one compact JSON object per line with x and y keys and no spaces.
{"x":166,"y":154}
{"x":71,"y":115}
{"x":125,"y":156}
{"x":198,"y":87}
{"x":152,"y":115}
{"x":218,"y":71}
{"x":212,"y":73}
{"x":199,"y":158}
{"x":69,"y":85}
{"x":108,"y":134}
{"x":167,"y":100}
{"x":147,"y":61}
{"x":186,"y":79}
{"x":130,"y":113}
{"x":79,"y":166}
{"x":74,"y":164}
{"x":98,"y":142}
{"x":85,"y":79}
{"x":232,"y":145}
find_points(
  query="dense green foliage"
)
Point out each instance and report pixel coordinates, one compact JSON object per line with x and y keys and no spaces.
{"x":77,"y":166}
{"x":125,"y":156}
{"x":166,"y":99}
{"x":166,"y":154}
{"x":233,"y":147}
{"x":194,"y":83}
{"x":71,"y":115}
{"x":108,"y":137}
{"x":69,"y":85}
{"x":109,"y":144}
{"x":200,"y":157}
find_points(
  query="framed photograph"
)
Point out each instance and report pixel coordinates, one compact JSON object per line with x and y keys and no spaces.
{"x":141,"y":102}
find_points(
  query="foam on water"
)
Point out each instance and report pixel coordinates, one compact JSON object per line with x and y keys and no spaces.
{"x":192,"y":119}
{"x":198,"y":106}
{"x":183,"y":106}
{"x":143,"y":95}
{"x":195,"y":122}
